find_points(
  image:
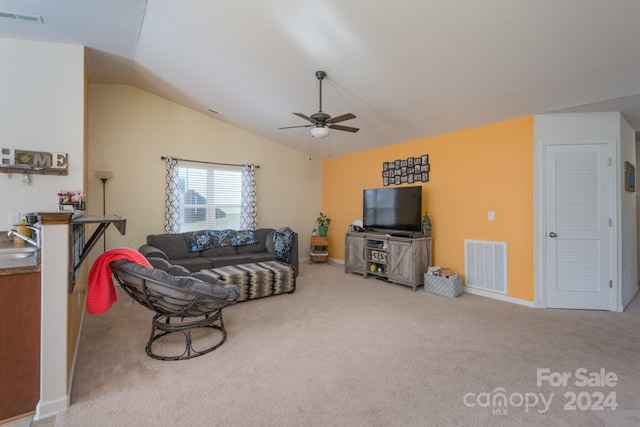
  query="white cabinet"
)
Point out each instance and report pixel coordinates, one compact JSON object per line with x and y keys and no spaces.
{"x":401,"y":260}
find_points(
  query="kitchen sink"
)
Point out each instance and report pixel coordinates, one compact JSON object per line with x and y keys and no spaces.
{"x":16,"y":256}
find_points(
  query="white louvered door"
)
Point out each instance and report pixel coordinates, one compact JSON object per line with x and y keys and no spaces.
{"x":578,"y":229}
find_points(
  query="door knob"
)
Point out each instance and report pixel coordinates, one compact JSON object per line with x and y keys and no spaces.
{"x":552,"y":234}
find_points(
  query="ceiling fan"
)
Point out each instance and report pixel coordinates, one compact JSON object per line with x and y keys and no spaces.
{"x":321,"y":122}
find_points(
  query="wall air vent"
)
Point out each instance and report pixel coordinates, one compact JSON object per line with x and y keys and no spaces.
{"x":485,"y":265}
{"x":21,"y":17}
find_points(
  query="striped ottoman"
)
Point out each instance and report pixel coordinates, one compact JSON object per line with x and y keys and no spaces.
{"x":257,"y":280}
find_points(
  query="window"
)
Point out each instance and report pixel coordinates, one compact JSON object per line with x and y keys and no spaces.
{"x":210,"y":197}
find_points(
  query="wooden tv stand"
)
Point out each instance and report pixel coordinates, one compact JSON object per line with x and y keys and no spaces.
{"x":397,"y":259}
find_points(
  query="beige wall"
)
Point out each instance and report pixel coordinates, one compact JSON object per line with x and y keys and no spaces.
{"x":129,"y":130}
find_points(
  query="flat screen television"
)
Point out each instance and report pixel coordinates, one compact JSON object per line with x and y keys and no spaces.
{"x":392,"y":209}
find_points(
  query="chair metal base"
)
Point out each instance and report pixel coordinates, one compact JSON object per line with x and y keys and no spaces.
{"x":163,"y":325}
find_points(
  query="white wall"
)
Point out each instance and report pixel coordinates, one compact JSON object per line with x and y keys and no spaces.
{"x":637,"y":165}
{"x":628,"y":211}
{"x":130,"y":129}
{"x":582,"y":126}
{"x":41,"y":109}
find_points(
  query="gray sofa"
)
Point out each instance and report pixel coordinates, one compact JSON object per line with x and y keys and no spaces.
{"x":175,"y":249}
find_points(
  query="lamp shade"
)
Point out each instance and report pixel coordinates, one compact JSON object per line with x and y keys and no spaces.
{"x":320,"y":131}
{"x":104,"y":175}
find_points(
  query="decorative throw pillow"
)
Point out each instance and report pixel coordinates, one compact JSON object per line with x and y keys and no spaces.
{"x":200,"y":240}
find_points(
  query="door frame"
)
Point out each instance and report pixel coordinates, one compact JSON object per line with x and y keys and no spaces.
{"x":539,"y":217}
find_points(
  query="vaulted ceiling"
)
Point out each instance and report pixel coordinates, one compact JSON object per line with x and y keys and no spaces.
{"x":406,"y":69}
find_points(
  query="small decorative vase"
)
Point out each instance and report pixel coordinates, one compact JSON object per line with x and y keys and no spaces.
{"x":426,"y":225}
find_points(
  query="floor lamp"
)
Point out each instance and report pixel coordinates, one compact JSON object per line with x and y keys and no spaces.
{"x":104,"y":176}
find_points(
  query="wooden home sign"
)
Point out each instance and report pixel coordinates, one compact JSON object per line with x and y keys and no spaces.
{"x":14,"y":160}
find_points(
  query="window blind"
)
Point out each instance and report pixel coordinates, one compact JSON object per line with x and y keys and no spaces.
{"x":210,"y":197}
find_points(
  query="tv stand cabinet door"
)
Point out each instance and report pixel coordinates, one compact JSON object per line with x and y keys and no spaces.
{"x":401,"y":262}
{"x":355,"y":261}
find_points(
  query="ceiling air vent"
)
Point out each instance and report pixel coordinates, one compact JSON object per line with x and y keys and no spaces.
{"x":22,"y":17}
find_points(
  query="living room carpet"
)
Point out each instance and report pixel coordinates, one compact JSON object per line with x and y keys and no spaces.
{"x":345,"y":351}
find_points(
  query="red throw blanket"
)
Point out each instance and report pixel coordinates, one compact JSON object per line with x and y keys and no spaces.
{"x":101,"y":293}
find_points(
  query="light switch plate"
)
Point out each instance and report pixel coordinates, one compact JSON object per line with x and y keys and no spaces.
{"x":14,"y":218}
{"x":491,"y":216}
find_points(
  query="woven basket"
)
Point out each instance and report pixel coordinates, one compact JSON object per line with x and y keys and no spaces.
{"x":443,"y":286}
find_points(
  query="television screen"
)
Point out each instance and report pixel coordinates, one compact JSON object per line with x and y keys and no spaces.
{"x":396,"y":208}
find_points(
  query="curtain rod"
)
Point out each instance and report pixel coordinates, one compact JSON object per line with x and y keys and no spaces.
{"x":208,"y":163}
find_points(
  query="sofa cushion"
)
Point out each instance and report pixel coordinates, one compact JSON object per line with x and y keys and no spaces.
{"x":261,"y":235}
{"x":219,"y":251}
{"x":262,"y":256}
{"x":270,"y":244}
{"x":173,"y":245}
{"x":229,"y":260}
{"x":152,"y":252}
{"x":193,"y":264}
{"x":250,"y":249}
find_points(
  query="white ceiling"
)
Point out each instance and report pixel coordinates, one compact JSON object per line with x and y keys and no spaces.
{"x":407,"y":69}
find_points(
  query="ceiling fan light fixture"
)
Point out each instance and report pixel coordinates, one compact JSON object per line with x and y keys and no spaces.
{"x":320,"y":131}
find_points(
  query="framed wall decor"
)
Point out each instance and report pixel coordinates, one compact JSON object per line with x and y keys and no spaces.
{"x":629,"y":177}
{"x":406,"y":171}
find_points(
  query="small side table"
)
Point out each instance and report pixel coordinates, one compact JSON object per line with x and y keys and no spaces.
{"x":319,"y":249}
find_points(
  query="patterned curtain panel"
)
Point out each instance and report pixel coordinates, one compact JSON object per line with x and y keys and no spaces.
{"x":172,"y":193}
{"x":248,"y":212}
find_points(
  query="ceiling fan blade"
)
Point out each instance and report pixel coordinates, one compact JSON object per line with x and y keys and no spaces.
{"x":305,"y":117}
{"x":345,"y":128}
{"x":341,"y":118}
{"x":291,"y":127}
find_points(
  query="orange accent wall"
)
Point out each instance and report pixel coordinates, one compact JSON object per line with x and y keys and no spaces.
{"x":473,"y":171}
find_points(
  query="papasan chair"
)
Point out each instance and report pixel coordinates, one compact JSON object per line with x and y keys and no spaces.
{"x":182,"y":304}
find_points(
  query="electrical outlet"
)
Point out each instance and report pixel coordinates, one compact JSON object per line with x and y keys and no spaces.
{"x":491,"y":216}
{"x":14,"y":217}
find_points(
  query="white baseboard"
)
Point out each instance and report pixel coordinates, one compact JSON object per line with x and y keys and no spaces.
{"x":47,"y":409}
{"x":500,"y":297}
{"x":505,"y":298}
{"x":628,"y":301}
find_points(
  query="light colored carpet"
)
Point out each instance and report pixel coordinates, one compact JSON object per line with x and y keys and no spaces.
{"x":345,"y":351}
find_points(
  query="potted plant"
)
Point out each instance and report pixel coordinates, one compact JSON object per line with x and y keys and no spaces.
{"x":323,"y":222}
